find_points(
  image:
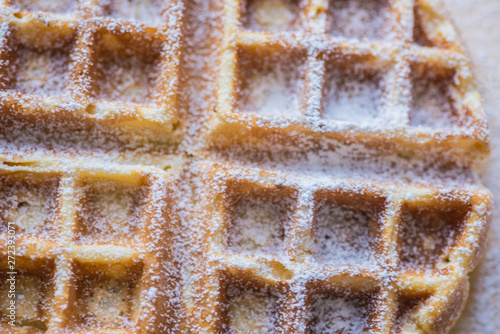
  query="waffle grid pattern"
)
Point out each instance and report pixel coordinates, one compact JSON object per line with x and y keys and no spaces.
{"x":80,"y":278}
{"x":297,"y":274}
{"x":397,"y":58}
{"x":187,"y":254}
{"x":82,"y":63}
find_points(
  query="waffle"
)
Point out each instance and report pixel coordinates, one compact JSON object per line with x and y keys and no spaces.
{"x":334,"y":256}
{"x":237,"y":166}
{"x":96,"y":69}
{"x":89,"y":245}
{"x":385,"y":73}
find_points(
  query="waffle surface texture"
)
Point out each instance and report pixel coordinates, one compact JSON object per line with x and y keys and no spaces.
{"x":237,"y":166}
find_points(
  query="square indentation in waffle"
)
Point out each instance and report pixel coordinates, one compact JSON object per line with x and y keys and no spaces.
{"x":432,"y":103}
{"x":33,"y":293}
{"x":352,"y":92}
{"x":406,"y":306}
{"x":258,"y":220}
{"x":249,"y":308}
{"x":41,"y":71}
{"x":341,"y":312}
{"x":53,"y":6}
{"x":29,"y":201}
{"x":426,"y":234}
{"x":270,"y":15}
{"x":106,"y":301}
{"x":270,"y":84}
{"x":141,"y":11}
{"x":109,"y":211}
{"x":346,"y":229}
{"x":363,"y":19}
{"x":126,"y":69}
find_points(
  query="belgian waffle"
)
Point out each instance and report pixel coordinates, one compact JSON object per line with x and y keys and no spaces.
{"x":89,"y":247}
{"x":92,"y":66}
{"x":378,"y":72}
{"x":334,"y":256}
{"x":225,"y":166}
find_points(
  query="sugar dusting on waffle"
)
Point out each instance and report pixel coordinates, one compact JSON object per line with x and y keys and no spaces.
{"x":239,"y":167}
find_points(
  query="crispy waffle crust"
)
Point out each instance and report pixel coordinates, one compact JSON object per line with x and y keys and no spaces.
{"x":225,"y":166}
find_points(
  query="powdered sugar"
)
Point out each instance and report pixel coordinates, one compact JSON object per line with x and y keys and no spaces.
{"x":105,"y":302}
{"x":29,"y":203}
{"x":109,"y":211}
{"x":258,"y":225}
{"x":41,"y":72}
{"x":126,"y":80}
{"x":272,"y":89}
{"x":58,"y":6}
{"x":431,"y":104}
{"x":426,"y":234}
{"x":250,"y":312}
{"x":358,"y":18}
{"x":338,"y":314}
{"x":343,"y":234}
{"x":142,"y":11}
{"x":352,"y":97}
{"x":30,"y":300}
{"x":271,"y":243}
{"x":269,"y":15}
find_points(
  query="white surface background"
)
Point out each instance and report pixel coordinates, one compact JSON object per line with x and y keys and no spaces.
{"x":478,"y":22}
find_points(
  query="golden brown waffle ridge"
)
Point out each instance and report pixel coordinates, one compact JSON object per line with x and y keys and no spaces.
{"x":237,"y":166}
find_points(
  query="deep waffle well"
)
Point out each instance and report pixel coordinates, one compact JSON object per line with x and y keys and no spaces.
{"x":225,"y":166}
